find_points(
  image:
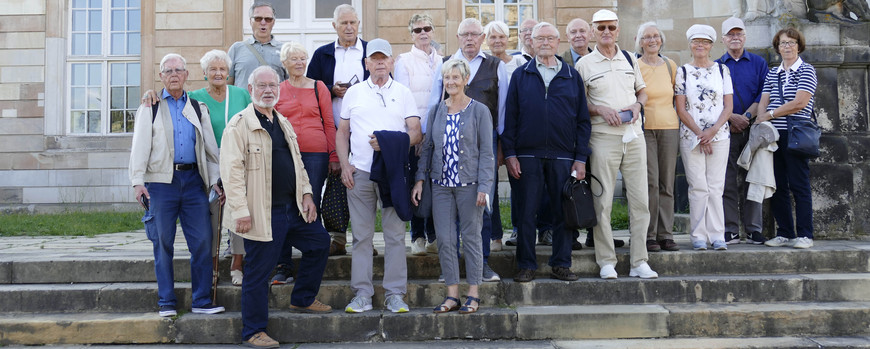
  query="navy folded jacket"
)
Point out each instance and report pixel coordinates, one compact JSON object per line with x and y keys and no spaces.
{"x":391,"y":172}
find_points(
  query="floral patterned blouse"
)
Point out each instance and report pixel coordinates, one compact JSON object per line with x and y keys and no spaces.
{"x":705,"y":90}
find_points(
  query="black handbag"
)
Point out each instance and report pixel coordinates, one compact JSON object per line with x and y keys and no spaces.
{"x":577,"y":205}
{"x":803,"y":134}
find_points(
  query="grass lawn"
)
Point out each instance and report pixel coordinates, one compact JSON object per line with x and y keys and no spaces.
{"x":69,"y":223}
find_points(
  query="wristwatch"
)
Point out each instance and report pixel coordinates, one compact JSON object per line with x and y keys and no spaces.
{"x":747,"y":115}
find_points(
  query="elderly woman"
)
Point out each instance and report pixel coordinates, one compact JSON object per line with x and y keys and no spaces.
{"x":307,"y":104}
{"x":457,"y":157}
{"x":788,"y":94}
{"x":661,"y":131}
{"x":416,"y":70}
{"x":497,"y":37}
{"x":223,"y":101}
{"x":703,"y":94}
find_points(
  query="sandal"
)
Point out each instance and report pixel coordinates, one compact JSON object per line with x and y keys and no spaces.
{"x":443,"y":308}
{"x":468,"y":308}
{"x":237,"y":277}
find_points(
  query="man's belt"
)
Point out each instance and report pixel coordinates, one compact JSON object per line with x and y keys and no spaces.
{"x":184,"y":167}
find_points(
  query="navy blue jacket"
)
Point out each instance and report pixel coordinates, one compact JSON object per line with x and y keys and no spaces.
{"x":549,"y":123}
{"x":390,"y":170}
{"x":322,"y":65}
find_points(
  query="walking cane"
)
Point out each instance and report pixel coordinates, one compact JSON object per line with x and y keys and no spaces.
{"x":217,"y":248}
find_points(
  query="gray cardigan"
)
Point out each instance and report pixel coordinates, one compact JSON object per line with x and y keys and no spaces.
{"x":476,"y":159}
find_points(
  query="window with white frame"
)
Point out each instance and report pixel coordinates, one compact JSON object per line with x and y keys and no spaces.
{"x":512,"y":12}
{"x":103,"y":66}
{"x":308,"y":22}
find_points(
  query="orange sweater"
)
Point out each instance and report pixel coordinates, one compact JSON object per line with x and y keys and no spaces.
{"x":315,"y":130}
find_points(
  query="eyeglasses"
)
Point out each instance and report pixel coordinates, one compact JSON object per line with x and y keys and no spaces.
{"x":525,"y":30}
{"x":735,"y":36}
{"x":260,"y":19}
{"x":608,"y":27}
{"x":702,"y":42}
{"x":546,"y":38}
{"x":651,"y":38}
{"x":267,"y":87}
{"x":176,"y":71}
{"x":469,"y":35}
{"x":788,"y":43}
{"x":423,"y":29}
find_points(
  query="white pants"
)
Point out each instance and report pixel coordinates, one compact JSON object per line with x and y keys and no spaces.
{"x":706,"y":177}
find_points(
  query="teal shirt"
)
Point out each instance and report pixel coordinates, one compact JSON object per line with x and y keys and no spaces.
{"x":239,"y":100}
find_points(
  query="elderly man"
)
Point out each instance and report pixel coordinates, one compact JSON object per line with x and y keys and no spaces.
{"x":544,"y":140}
{"x":339,"y":65}
{"x":747,"y":75}
{"x":259,"y":49}
{"x":615,"y":93}
{"x":378,"y":105}
{"x":579,"y":32}
{"x":488,"y":84}
{"x":527,"y":47}
{"x":173,"y":162}
{"x":269,"y":201}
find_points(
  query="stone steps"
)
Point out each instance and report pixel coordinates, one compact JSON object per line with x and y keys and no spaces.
{"x":426,"y":294}
{"x":825,"y":257}
{"x":520,"y":323}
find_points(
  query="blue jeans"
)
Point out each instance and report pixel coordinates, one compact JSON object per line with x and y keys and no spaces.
{"x":792,"y":173}
{"x":317,"y":166}
{"x":539,"y":175}
{"x":420,"y":227}
{"x":185,"y":199}
{"x":287,"y":227}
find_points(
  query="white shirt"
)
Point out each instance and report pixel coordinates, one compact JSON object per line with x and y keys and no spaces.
{"x":371,"y":108}
{"x":347,"y":65}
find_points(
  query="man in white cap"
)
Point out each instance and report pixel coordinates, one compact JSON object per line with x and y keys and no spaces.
{"x":376,"y":104}
{"x":747,"y":76}
{"x":615,"y":94}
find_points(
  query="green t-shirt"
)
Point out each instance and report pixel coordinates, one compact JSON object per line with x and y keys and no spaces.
{"x":239,"y":100}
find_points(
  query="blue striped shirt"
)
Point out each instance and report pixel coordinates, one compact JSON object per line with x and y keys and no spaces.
{"x":801,"y":76}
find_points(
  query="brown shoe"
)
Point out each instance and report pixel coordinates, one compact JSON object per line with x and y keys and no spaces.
{"x":525,"y":275}
{"x":652,"y":246}
{"x":261,"y":340}
{"x":315,"y":308}
{"x":669,"y":245}
{"x":336,"y":249}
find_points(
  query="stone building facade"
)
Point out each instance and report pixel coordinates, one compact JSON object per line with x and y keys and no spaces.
{"x":71,"y":71}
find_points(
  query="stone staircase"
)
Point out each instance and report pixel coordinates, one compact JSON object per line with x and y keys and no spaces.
{"x":744,"y":293}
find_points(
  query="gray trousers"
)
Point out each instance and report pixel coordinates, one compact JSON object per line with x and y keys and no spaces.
{"x":447,"y":203}
{"x":362,"y":202}
{"x":662,"y":147}
{"x":734,"y":197}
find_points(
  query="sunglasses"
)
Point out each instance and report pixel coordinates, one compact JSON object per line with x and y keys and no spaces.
{"x":260,"y":19}
{"x":423,"y":29}
{"x":608,"y":27}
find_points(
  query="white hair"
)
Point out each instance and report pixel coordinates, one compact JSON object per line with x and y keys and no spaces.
{"x":172,"y":56}
{"x":498,"y":27}
{"x":253,"y":77}
{"x":457,"y":64}
{"x":214,"y":55}
{"x":342,"y":9}
{"x":292,"y":47}
{"x":643,"y":27}
{"x":540,"y":25}
{"x":467,"y":22}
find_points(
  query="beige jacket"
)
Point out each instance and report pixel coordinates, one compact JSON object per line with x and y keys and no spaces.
{"x":152,"y":153}
{"x":246,"y":170}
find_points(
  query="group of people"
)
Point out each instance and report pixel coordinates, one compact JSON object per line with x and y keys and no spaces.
{"x":292,"y":151}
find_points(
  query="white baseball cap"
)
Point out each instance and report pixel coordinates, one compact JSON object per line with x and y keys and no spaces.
{"x":731,"y":23}
{"x":379,"y":45}
{"x":701,"y":31}
{"x":604,"y":15}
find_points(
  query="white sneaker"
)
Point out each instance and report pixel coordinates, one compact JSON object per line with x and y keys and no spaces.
{"x":359,"y":304}
{"x":803,"y":242}
{"x":495,"y":246}
{"x":608,"y":271}
{"x":418,"y":247}
{"x":395,"y":304}
{"x":643,"y":271}
{"x":432,"y":247}
{"x":779,"y":241}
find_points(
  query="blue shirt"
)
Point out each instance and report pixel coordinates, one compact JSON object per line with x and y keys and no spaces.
{"x":801,"y":76}
{"x":747,"y":78}
{"x":183,"y":132}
